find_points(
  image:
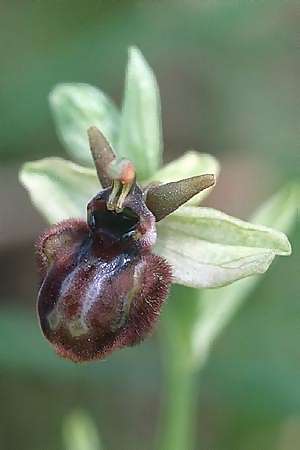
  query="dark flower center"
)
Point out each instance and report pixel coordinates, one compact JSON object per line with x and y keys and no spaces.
{"x":114,"y":225}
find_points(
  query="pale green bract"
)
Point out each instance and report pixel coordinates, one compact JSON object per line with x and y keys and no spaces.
{"x":76,"y":107}
{"x":208,"y":248}
{"x":58,"y":188}
{"x":140,"y":130}
{"x":210,"y":310}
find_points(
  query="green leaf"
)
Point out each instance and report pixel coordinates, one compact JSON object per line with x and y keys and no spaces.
{"x":80,"y":432}
{"x":189,"y":165}
{"x":208,"y":248}
{"x":76,"y":107}
{"x":281,"y":209}
{"x":213,"y":309}
{"x":140,"y":133}
{"x":59,"y":189}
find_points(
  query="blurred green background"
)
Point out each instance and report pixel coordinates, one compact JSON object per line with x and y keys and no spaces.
{"x":228,"y":76}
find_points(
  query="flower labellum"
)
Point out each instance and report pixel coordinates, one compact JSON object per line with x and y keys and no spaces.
{"x":101,"y":287}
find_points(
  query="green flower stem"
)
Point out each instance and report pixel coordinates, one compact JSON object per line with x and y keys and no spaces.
{"x":180,"y":377}
{"x":179,"y":407}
